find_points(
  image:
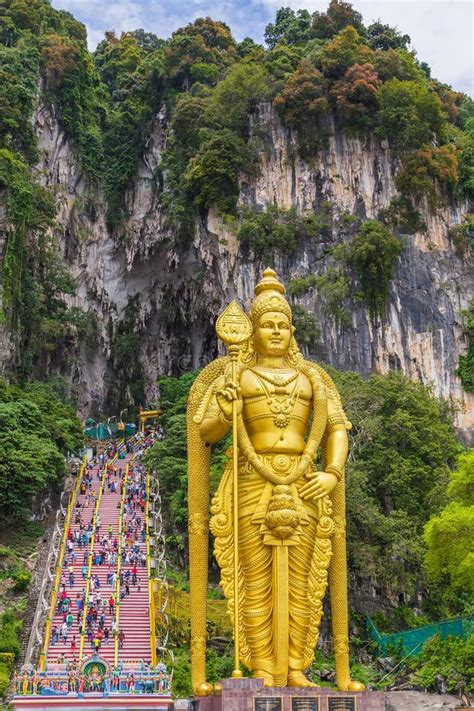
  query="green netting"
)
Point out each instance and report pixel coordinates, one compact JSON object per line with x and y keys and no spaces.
{"x":412,"y":641}
{"x":111,"y":431}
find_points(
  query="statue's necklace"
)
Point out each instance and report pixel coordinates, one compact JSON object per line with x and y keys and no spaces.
{"x":278,"y":380}
{"x":281,"y":402}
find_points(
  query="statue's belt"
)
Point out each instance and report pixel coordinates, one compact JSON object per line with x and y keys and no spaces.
{"x":280,"y":512}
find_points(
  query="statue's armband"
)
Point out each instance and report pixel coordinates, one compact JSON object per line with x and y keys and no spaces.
{"x":337,"y":419}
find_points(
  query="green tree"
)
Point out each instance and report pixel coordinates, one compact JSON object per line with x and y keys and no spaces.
{"x":212,"y":175}
{"x":449,"y":535}
{"x":209,"y":150}
{"x":282,"y":60}
{"x":308,"y":330}
{"x":36,"y":430}
{"x":133,"y":74}
{"x":338,"y":16}
{"x":397,"y":64}
{"x":355,"y":97}
{"x":452,"y":658}
{"x":203,"y":42}
{"x":34,"y":277}
{"x":465,"y":144}
{"x":19,"y":69}
{"x":384,"y":37}
{"x":373,"y":254}
{"x":290,"y":27}
{"x":403,"y":447}
{"x":409,"y":115}
{"x":27,"y":466}
{"x":303,"y":106}
{"x":235,"y":98}
{"x":347,"y":48}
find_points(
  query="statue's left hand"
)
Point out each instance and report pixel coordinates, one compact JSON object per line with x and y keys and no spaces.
{"x":320,"y":484}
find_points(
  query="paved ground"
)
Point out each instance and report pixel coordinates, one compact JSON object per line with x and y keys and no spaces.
{"x":417,"y":701}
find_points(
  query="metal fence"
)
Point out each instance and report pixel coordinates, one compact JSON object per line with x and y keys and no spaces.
{"x":412,"y":641}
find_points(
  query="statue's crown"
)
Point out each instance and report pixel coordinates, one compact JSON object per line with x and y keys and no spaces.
{"x":269,"y":297}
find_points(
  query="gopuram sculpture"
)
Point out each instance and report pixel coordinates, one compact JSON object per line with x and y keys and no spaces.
{"x":287,"y":462}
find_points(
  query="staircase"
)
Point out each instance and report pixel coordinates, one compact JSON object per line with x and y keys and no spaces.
{"x":110,"y":507}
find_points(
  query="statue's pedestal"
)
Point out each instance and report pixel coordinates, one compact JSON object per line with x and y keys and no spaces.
{"x":251,"y":695}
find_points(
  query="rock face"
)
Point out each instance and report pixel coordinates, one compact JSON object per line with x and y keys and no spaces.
{"x":178,"y":291}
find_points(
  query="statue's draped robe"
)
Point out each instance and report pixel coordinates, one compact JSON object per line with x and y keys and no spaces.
{"x":287,"y":577}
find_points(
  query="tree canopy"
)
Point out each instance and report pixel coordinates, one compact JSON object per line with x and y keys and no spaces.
{"x":449,"y":535}
{"x":36,"y":430}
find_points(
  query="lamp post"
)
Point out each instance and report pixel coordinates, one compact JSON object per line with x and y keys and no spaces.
{"x":122,"y":425}
{"x":113,"y":417}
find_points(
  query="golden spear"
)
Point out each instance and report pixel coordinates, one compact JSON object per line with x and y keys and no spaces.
{"x":233,"y":327}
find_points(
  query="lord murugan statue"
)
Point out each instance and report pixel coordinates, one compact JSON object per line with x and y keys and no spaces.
{"x":290,"y":448}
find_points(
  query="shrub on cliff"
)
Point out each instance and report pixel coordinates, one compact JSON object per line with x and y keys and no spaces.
{"x":263,"y":233}
{"x":373,"y":254}
{"x":35,"y":279}
{"x":427,"y":170}
{"x":466,"y":361}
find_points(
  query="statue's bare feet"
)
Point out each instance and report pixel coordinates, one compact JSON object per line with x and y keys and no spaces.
{"x":355,"y":686}
{"x":297,"y":678}
{"x":266,"y":676}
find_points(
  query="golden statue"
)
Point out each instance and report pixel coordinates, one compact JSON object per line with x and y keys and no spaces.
{"x":286,"y":415}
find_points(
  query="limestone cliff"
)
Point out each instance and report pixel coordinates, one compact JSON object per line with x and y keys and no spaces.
{"x":177,"y":293}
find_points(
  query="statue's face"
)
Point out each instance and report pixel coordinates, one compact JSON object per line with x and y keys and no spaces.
{"x":272,"y":334}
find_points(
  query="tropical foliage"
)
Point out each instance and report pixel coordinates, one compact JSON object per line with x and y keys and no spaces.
{"x":448,"y":535}
{"x":36,"y":430}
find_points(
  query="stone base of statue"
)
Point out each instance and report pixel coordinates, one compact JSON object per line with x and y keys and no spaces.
{"x":252,"y":695}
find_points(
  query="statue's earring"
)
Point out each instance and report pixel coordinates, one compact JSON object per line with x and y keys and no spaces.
{"x":248,"y":351}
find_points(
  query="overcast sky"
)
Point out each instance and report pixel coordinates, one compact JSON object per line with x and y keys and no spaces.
{"x":441,"y":30}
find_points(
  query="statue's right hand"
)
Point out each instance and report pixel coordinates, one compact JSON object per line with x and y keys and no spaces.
{"x":225,"y":397}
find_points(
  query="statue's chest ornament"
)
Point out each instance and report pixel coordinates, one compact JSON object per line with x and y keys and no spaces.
{"x":281,"y":400}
